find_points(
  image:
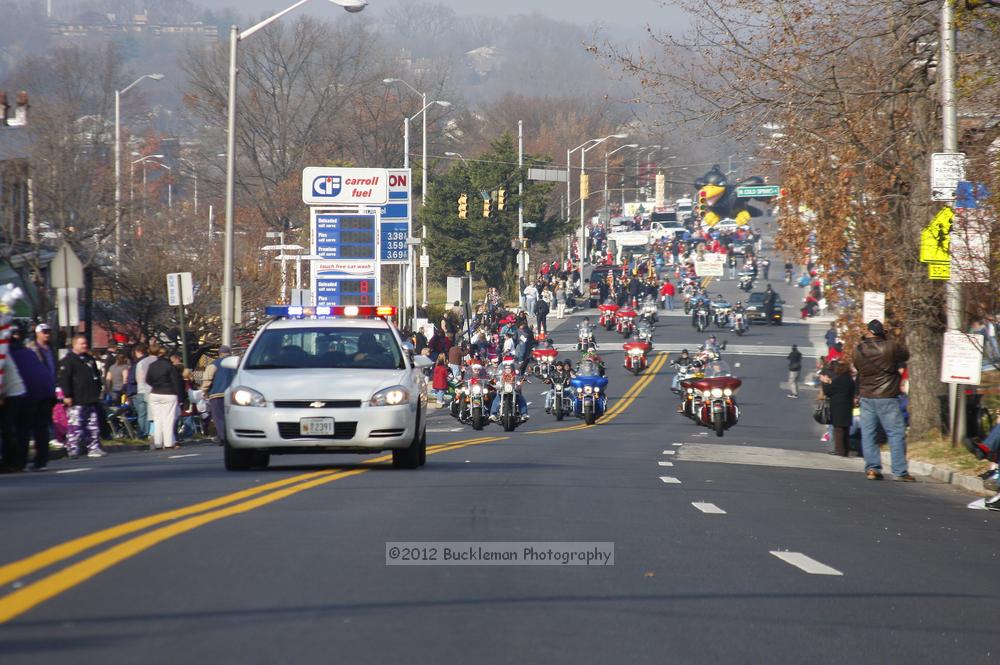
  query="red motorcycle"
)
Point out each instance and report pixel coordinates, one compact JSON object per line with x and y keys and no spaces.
{"x":625,"y":320}
{"x":714,"y":404}
{"x":607,"y":319}
{"x":636,"y":352}
{"x":544,"y":357}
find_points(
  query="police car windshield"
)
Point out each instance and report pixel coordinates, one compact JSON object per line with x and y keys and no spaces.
{"x":325,"y":348}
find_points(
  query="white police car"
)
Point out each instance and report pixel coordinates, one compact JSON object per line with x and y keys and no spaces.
{"x":326,"y":380}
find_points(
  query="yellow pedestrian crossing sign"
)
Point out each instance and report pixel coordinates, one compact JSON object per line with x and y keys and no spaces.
{"x":934,"y":238}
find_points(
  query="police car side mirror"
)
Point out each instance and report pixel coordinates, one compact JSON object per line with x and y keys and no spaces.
{"x":408,"y":348}
{"x":230,"y":362}
{"x":422,"y":362}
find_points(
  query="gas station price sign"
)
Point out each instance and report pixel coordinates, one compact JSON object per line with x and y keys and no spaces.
{"x":346,"y":236}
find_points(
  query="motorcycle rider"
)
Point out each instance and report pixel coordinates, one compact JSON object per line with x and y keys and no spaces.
{"x":561,"y":375}
{"x":712,"y":345}
{"x":592,"y":357}
{"x":508,"y":370}
{"x":682,"y":363}
{"x":738,"y":311}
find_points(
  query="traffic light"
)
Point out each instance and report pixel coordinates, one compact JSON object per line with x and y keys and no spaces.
{"x":463,"y":206}
{"x":487,"y":207}
{"x":470,"y":266}
{"x":702,"y":203}
{"x":501,"y":198}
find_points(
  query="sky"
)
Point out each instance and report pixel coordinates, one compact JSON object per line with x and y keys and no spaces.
{"x":632,"y":13}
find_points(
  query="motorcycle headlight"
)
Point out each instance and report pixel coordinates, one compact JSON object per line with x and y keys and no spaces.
{"x":579,"y":390}
{"x":690,"y":391}
{"x":716,"y":392}
{"x":242,"y":396}
{"x":728,"y":392}
{"x":390,"y":397}
{"x":508,"y":387}
{"x":597,"y":389}
{"x":477,"y":390}
{"x":587,"y":390}
{"x":707,"y":393}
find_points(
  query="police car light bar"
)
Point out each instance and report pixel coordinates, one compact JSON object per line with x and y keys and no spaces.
{"x":349,"y":311}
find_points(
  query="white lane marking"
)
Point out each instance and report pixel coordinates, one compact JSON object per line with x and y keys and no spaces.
{"x":670,"y":480}
{"x":677,"y":444}
{"x":183,"y":456}
{"x":86,"y":468}
{"x":709,"y":508}
{"x":805,"y":563}
{"x":669,"y":452}
{"x":665,"y":463}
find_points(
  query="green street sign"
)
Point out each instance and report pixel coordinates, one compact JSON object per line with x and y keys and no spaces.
{"x":758,"y":191}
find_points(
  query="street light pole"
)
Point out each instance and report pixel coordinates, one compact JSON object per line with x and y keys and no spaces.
{"x":235,"y":37}
{"x":589,"y":145}
{"x":607,"y":208}
{"x":118,"y":155}
{"x":194,"y":174}
{"x":949,"y":127}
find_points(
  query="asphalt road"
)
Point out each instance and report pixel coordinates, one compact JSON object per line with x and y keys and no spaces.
{"x":789,"y":556}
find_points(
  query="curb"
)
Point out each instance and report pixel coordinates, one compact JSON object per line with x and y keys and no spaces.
{"x":942,"y":474}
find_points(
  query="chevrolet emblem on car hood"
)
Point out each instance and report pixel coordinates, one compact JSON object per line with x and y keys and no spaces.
{"x":317,"y":405}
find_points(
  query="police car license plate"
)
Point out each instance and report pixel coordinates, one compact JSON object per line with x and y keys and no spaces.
{"x":316,"y":426}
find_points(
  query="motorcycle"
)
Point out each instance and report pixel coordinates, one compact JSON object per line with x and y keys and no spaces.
{"x":509,"y":416}
{"x":625,"y":320}
{"x":746,"y":282}
{"x":473,"y":400}
{"x":543,"y":358}
{"x":587,"y":390}
{"x":701,"y":317}
{"x":644,"y":331}
{"x":741,"y":323}
{"x":712,"y":397}
{"x":649,"y":311}
{"x":585,"y":337}
{"x":607,"y":318}
{"x":721,"y":311}
{"x":560,"y":401}
{"x":636,"y":352}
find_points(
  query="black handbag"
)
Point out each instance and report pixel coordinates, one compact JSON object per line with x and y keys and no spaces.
{"x":822,"y":412}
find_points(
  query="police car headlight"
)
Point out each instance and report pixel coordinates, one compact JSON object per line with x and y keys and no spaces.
{"x":716,"y":392}
{"x":390,"y":397}
{"x":241,"y":396}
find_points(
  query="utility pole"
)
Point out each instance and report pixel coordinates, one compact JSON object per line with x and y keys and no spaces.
{"x":949,"y":122}
{"x":520,"y":202}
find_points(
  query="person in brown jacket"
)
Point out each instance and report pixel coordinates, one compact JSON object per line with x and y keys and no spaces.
{"x":879,"y":362}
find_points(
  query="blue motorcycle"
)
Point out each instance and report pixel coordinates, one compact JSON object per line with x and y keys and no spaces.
{"x":588,"y":393}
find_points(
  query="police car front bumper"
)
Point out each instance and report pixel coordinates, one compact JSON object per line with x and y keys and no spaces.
{"x":279,"y":430}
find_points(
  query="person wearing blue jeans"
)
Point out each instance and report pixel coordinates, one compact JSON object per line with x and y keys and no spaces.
{"x":879,"y":362}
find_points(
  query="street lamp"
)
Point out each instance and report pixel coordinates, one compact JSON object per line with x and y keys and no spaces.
{"x":587,"y":145}
{"x":423,"y":97}
{"x":170,"y":184}
{"x":406,"y":165}
{"x":194,"y":174}
{"x":638,"y":162}
{"x":455,"y":154}
{"x":118,"y":157}
{"x":607,"y":154}
{"x":131,"y":176}
{"x":235,"y":37}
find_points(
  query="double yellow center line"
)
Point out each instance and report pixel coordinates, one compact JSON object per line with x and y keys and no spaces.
{"x":181,"y":520}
